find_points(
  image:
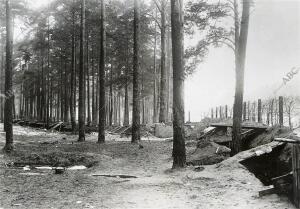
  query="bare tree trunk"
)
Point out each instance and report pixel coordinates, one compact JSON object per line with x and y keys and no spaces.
{"x":94,"y":107}
{"x":280,"y":111}
{"x":73,"y":75}
{"x":51,"y":99}
{"x":62,"y":106}
{"x":290,"y":120}
{"x":179,"y":152}
{"x":81,"y":114}
{"x":126,"y":102}
{"x":155,"y":77}
{"x":88,"y":80}
{"x":239,"y":89}
{"x":119,"y":109}
{"x":66,"y":99}
{"x":2,"y":74}
{"x":102,"y":121}
{"x":126,"y":105}
{"x":8,"y":115}
{"x":136,"y":135}
{"x":163,"y":77}
{"x":111,"y":108}
{"x":48,"y":78}
{"x":170,"y":77}
{"x":259,"y":111}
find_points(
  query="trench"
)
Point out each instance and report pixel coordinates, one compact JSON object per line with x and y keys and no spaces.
{"x":268,"y":167}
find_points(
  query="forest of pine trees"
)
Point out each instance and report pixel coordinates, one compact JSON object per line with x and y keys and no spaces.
{"x":93,"y":63}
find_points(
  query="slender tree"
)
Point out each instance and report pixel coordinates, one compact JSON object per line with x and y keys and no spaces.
{"x":73,"y":72}
{"x":179,"y":152}
{"x":88,"y":99}
{"x":81,"y":114}
{"x":155,"y":74}
{"x":136,"y":135}
{"x":102,"y":121}
{"x":163,"y":76}
{"x":239,"y":86}
{"x":8,"y":114}
{"x":126,"y":102}
{"x":2,"y":64}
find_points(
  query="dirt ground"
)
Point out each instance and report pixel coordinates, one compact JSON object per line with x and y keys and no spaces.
{"x":222,"y":186}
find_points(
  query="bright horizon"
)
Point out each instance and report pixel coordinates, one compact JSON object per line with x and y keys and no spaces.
{"x":273,"y":50}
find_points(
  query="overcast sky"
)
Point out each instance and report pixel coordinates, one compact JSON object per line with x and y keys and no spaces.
{"x":273,"y":49}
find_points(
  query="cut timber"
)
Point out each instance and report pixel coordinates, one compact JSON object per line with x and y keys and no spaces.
{"x":244,"y":126}
{"x":56,"y":126}
{"x":268,"y":191}
{"x":283,"y":176}
{"x":257,"y":151}
{"x":293,"y":141}
{"x":122,"y":176}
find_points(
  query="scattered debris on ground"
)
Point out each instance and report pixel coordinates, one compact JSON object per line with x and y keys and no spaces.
{"x":227,"y":184}
{"x":20,"y":158}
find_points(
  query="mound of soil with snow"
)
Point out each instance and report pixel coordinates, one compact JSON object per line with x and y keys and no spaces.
{"x":269,"y":135}
{"x":208,"y":153}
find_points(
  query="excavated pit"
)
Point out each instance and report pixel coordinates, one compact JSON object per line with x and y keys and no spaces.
{"x":269,"y":166}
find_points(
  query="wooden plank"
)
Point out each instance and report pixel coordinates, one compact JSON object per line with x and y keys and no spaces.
{"x":296,"y":174}
{"x":293,"y":141}
{"x":257,"y":151}
{"x":268,"y":191}
{"x":244,"y":126}
{"x":281,"y":177}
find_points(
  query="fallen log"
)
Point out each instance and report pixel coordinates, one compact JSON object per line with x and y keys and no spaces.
{"x":115,"y":176}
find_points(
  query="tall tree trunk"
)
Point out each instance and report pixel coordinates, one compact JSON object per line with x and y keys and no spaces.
{"x":155,"y":76}
{"x":163,"y":77}
{"x":43,"y":98}
{"x":111,"y":107}
{"x":73,"y":75}
{"x":94,"y":112}
{"x":239,"y":89}
{"x":2,"y":66}
{"x":179,"y":153}
{"x":66,"y":95}
{"x":98,"y":89}
{"x":102,"y":121}
{"x":62,"y":83}
{"x":136,"y":135}
{"x":119,"y":109}
{"x":51,"y":98}
{"x":48,"y":77}
{"x":169,"y":77}
{"x":88,"y":80}
{"x":8,"y":114}
{"x":126,"y":102}
{"x":126,"y":105}
{"x":81,"y":114}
